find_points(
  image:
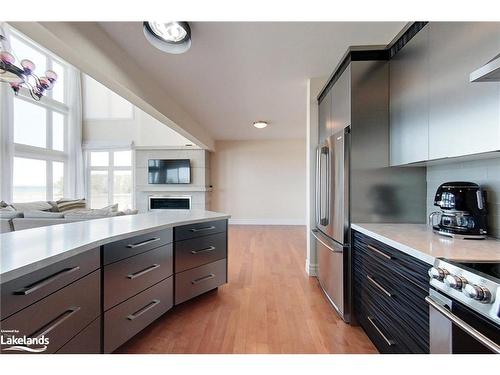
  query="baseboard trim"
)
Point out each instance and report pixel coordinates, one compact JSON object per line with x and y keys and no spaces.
{"x":267,"y":221}
{"x":311,"y":268}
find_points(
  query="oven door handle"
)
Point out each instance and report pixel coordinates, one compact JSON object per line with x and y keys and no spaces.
{"x":464,"y":326}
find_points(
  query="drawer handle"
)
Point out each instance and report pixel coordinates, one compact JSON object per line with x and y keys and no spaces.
{"x":134,"y":245}
{"x":143,"y":272}
{"x":379,"y":252}
{"x":380,"y":287}
{"x":210,"y":248}
{"x":142,"y":310}
{"x":389,"y":342}
{"x":56,"y":322}
{"x":44,"y":282}
{"x":204,"y":278}
{"x":201,"y":229}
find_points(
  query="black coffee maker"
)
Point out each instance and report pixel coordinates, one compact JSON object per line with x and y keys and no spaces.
{"x":463,"y":211}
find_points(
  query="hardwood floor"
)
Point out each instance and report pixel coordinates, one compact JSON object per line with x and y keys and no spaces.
{"x":270,"y":305}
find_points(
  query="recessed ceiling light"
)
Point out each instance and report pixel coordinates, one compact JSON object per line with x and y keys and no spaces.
{"x":260,"y":124}
{"x":172,"y":37}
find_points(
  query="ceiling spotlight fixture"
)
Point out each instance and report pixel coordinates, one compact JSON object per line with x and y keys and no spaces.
{"x":260,"y":124}
{"x":172,"y":37}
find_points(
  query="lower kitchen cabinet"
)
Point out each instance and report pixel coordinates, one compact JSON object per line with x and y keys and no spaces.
{"x":389,"y":296}
{"x":96,"y":301}
{"x":88,"y":341}
{"x":130,"y":317}
{"x":60,"y":316}
{"x":192,"y":283}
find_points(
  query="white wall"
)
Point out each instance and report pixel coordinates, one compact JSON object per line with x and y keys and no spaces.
{"x":260,"y":182}
{"x":142,"y":129}
{"x":111,"y":120}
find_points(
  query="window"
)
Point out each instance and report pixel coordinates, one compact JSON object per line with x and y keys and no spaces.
{"x":102,"y":103}
{"x":39,"y":128}
{"x":110,"y":178}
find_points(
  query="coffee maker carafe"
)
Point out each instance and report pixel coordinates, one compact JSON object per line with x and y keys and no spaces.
{"x":463,"y":211}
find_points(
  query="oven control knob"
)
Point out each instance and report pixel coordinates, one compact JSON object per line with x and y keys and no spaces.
{"x":438,"y":273}
{"x":477,"y":293}
{"x":455,"y":282}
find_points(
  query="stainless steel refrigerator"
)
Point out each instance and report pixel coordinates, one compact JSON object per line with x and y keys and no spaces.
{"x":332,"y":216}
{"x":354,"y":180}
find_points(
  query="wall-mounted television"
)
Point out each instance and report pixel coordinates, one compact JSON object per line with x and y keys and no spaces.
{"x":169,"y":171}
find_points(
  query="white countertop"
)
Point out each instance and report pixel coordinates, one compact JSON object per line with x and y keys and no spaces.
{"x":419,"y":241}
{"x":27,"y":250}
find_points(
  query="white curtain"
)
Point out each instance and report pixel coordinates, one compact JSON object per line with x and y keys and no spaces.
{"x":6,"y":132}
{"x":76,"y":168}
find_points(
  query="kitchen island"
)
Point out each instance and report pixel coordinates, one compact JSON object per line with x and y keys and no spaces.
{"x":90,"y":286}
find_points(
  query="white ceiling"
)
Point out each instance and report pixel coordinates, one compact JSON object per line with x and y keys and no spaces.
{"x":239,"y":72}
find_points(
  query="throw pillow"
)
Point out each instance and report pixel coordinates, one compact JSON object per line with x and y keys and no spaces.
{"x":31,"y":206}
{"x":9,"y":213}
{"x":66,"y":205}
{"x":110,"y":208}
{"x":43,"y":215}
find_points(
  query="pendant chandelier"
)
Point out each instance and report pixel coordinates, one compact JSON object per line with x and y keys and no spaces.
{"x":23,"y":75}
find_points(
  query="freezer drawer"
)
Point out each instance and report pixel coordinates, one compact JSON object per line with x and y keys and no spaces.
{"x":330,"y":257}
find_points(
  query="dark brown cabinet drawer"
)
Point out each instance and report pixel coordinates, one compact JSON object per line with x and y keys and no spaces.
{"x":88,"y":341}
{"x":186,"y":232}
{"x":24,"y":291}
{"x":389,"y":296}
{"x":199,"y":251}
{"x":60,"y":316}
{"x":130,"y":317}
{"x":399,"y":264}
{"x":130,"y":276}
{"x":191,"y":283}
{"x":119,"y":250}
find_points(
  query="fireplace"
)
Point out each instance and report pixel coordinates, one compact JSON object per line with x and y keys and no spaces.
{"x":169,"y":202}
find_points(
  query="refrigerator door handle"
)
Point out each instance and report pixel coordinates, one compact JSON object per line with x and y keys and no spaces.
{"x":317,"y":235}
{"x":324,"y":220}
{"x":328,"y":185}
{"x":318,"y":187}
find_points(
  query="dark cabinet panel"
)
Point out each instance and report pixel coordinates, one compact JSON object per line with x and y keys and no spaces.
{"x":88,"y":341}
{"x":130,"y":276}
{"x":199,"y":251}
{"x":119,"y":250}
{"x":186,"y":232}
{"x":60,"y":316}
{"x":130,"y":317}
{"x":24,"y":291}
{"x":389,"y":296}
{"x":196,"y":281}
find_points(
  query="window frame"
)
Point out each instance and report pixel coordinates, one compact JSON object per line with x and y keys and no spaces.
{"x":110,"y":168}
{"x":47,"y":153}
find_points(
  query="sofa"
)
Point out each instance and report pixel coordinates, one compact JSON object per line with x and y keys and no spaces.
{"x":27,"y":215}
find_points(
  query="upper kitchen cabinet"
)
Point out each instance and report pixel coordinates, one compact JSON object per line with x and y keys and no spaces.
{"x":409,"y":105}
{"x":341,"y":101}
{"x":325,"y":115}
{"x":435,"y":111}
{"x":464,"y":117}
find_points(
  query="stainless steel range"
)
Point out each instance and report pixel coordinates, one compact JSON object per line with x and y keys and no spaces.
{"x":464,"y":301}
